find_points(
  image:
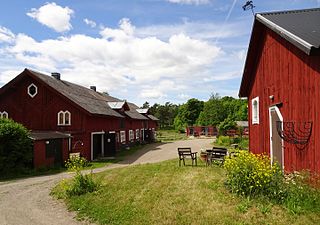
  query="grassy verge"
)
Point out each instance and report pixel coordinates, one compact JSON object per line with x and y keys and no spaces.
{"x":170,"y":135}
{"x":165,"y":193}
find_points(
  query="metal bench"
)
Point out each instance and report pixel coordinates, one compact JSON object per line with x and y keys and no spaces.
{"x":185,"y":153}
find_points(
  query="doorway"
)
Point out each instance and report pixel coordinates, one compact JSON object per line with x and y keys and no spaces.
{"x":97,"y":146}
{"x":110,"y":144}
{"x":54,"y":150}
{"x":276,"y":143}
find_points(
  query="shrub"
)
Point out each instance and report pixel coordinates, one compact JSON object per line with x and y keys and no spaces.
{"x":227,"y":124}
{"x":224,"y":141}
{"x":76,"y":163}
{"x":16,"y":150}
{"x":81,"y":184}
{"x":252,"y":175}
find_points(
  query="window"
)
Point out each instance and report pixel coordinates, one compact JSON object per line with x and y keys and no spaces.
{"x":4,"y":115}
{"x":32,"y":90}
{"x":64,"y":118}
{"x":137,"y":133}
{"x":131,"y":135}
{"x":67,"y":119}
{"x":255,"y":110}
{"x":122,"y":136}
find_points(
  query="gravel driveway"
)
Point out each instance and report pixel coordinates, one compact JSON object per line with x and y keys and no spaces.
{"x":27,"y":201}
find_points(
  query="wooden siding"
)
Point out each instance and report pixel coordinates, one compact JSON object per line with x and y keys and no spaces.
{"x":41,"y":111}
{"x":293,"y":78}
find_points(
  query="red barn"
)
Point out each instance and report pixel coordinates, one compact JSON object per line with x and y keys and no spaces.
{"x":149,"y":133}
{"x":201,"y":131}
{"x":281,"y":80}
{"x":65,"y":117}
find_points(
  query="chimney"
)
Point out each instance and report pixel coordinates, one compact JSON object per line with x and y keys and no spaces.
{"x":56,"y":75}
{"x":93,"y":88}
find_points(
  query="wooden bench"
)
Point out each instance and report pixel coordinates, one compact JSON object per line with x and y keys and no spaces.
{"x":216,"y":154}
{"x":185,"y":153}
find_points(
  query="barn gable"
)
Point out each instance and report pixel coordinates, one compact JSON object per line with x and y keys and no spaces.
{"x":281,"y":80}
{"x":299,"y":27}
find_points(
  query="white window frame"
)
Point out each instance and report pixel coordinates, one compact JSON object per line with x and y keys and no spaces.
{"x":131,"y":135}
{"x":4,"y":115}
{"x":255,"y":110}
{"x":137,"y":134}
{"x":122,"y":136}
{"x":64,"y":122}
{"x":36,"y":89}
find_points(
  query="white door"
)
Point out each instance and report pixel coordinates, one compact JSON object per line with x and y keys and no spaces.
{"x":276,"y":142}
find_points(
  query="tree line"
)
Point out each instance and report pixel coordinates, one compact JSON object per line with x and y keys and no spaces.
{"x":221,"y":112}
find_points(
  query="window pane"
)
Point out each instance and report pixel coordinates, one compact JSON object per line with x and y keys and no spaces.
{"x":5,"y":115}
{"x":67,"y":118}
{"x":60,"y":120}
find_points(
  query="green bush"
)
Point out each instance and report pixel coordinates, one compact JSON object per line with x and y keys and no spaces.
{"x":81,"y":184}
{"x":16,"y":150}
{"x":227,"y":124}
{"x":252,"y":175}
{"x":224,"y":141}
{"x":76,"y":163}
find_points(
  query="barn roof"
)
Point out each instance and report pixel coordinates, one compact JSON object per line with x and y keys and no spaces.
{"x":152,"y":117}
{"x":132,"y":113}
{"x":88,"y":99}
{"x":45,"y":135}
{"x":299,"y":27}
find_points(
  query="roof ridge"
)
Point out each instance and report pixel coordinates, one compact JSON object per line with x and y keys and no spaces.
{"x":289,"y":11}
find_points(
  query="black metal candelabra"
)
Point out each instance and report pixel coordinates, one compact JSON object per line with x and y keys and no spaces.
{"x":295,"y":132}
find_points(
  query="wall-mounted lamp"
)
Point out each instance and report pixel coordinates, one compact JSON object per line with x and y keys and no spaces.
{"x":79,"y":142}
{"x":271,"y":97}
{"x":47,"y":142}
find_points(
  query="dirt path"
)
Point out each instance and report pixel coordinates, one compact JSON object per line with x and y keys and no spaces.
{"x":27,"y":201}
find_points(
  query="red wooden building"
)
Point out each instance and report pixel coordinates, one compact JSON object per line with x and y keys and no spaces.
{"x":93,"y":123}
{"x":201,"y":131}
{"x":281,"y":80}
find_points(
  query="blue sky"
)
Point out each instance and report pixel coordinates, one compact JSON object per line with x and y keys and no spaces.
{"x":138,"y":50}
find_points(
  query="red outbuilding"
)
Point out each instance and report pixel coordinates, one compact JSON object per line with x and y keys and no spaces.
{"x":65,"y":117}
{"x":281,"y":80}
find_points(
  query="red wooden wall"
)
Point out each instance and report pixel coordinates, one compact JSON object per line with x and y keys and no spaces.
{"x":293,"y":78}
{"x":39,"y":152}
{"x":41,"y":111}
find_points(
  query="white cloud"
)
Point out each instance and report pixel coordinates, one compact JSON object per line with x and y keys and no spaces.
{"x":6,"y":76}
{"x":197,"y":30}
{"x":190,"y":2}
{"x":125,"y":31}
{"x":184,"y":96}
{"x":53,"y":16}
{"x":91,"y":23}
{"x":152,"y":94}
{"x":6,"y":35}
{"x":126,"y":63}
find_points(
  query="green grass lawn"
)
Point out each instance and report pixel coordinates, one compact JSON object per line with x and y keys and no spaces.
{"x":165,"y":193}
{"x":170,"y":135}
